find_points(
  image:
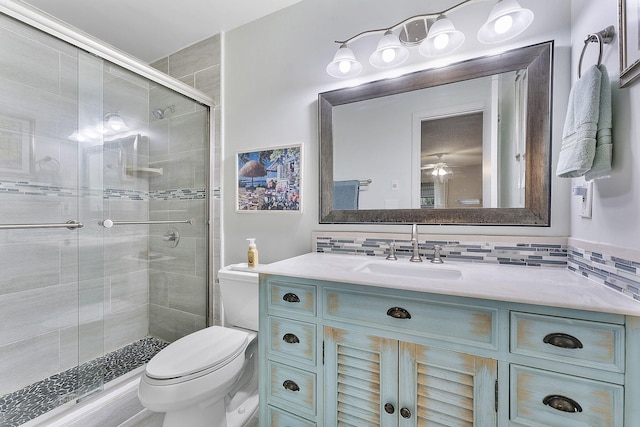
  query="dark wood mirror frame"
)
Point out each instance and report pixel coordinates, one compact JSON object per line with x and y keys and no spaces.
{"x":538,"y":60}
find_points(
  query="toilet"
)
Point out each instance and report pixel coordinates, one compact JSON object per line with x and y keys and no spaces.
{"x":210,"y":377}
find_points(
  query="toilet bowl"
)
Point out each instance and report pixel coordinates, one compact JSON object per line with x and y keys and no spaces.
{"x":210,"y":377}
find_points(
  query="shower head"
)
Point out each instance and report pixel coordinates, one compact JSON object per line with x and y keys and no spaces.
{"x":159,"y":113}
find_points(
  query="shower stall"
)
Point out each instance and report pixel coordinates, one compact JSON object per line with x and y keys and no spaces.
{"x":104,"y":198}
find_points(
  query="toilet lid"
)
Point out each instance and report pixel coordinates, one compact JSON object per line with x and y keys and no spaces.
{"x":198,"y":351}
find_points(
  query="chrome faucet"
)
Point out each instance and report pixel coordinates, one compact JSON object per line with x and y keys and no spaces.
{"x":415,"y":257}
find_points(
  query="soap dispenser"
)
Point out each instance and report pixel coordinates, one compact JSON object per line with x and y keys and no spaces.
{"x":252,"y":253}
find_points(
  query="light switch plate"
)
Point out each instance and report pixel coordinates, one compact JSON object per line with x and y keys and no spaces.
{"x":587,"y":201}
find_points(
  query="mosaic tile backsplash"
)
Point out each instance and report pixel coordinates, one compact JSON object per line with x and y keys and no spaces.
{"x":526,"y":254}
{"x":617,"y":273}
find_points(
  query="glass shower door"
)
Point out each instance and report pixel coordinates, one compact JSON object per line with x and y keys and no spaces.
{"x":42,"y":284}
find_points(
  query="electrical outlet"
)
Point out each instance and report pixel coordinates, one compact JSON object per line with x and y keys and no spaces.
{"x":587,"y":201}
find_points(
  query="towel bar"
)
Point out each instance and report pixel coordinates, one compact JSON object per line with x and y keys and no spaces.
{"x":71,"y":225}
{"x":601,"y":37}
{"x":107,"y":223}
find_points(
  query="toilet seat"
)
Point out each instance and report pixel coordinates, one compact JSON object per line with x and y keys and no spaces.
{"x":196,"y":354}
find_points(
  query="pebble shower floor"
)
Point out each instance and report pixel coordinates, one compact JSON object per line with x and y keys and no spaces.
{"x":36,"y":399}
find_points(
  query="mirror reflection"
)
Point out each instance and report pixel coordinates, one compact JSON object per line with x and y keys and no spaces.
{"x":459,"y":145}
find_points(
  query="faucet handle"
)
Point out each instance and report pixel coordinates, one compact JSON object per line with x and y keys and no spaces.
{"x":392,"y":252}
{"x":436,"y":255}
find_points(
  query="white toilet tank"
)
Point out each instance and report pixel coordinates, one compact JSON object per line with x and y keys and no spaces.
{"x":239,"y":289}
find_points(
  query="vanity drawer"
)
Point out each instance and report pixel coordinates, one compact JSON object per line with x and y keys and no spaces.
{"x":292,"y":339}
{"x":447,"y":321}
{"x":292,"y":297}
{"x":292,"y":388}
{"x":541,"y":398}
{"x":579,"y":342}
{"x":280,"y":418}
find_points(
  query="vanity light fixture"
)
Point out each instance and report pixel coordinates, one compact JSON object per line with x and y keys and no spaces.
{"x":434,"y":33}
{"x":390,"y":52}
{"x":344,"y":64}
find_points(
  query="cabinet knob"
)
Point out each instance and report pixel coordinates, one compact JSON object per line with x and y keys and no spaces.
{"x":561,"y":340}
{"x":388,"y":408}
{"x":405,"y":413}
{"x":289,"y":297}
{"x":562,"y":403}
{"x":290,"y":385}
{"x":398,"y":313}
{"x":290,"y":339}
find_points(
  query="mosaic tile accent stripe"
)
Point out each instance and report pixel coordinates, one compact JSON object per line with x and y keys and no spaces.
{"x":36,"y":399}
{"x":617,"y":273}
{"x":35,"y":189}
{"x":526,"y":254}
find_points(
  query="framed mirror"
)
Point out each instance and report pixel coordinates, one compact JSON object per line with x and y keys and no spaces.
{"x":468,"y":144}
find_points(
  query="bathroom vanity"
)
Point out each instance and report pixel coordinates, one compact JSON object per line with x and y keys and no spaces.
{"x":350,"y":340}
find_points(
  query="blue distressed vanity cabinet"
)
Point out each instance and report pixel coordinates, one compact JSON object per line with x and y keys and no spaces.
{"x":336,"y":354}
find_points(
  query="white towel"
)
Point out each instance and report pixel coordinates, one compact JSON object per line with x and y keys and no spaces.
{"x":601,"y":167}
{"x":580,"y":126}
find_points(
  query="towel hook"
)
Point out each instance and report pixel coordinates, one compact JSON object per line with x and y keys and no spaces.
{"x":601,"y":37}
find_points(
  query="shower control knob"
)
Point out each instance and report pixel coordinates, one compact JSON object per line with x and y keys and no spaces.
{"x":107,"y":223}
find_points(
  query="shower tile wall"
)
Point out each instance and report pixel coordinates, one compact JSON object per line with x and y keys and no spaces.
{"x":178,"y":275}
{"x":198,"y":66}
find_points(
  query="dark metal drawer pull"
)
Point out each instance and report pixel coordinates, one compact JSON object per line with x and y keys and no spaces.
{"x":388,"y":408}
{"x":562,"y":403}
{"x":561,"y":340}
{"x":405,"y":413}
{"x":290,"y":385}
{"x":289,"y":297}
{"x":398,"y":313}
{"x":290,"y":338}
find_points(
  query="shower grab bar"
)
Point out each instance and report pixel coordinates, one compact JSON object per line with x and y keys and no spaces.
{"x":71,"y":225}
{"x":107,"y":223}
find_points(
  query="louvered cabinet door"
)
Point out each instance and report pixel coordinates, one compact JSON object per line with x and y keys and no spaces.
{"x":445,"y":388}
{"x":361,"y":379}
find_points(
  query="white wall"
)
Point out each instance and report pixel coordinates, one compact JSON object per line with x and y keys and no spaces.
{"x":616,"y":203}
{"x":274,"y":69}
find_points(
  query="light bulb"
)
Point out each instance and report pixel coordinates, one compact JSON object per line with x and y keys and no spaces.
{"x":388,"y":55}
{"x":503,"y":24}
{"x":344,"y":66}
{"x":441,"y":41}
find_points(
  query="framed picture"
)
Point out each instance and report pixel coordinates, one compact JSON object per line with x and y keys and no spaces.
{"x":269,"y":180}
{"x":16,"y":145}
{"x":629,"y":35}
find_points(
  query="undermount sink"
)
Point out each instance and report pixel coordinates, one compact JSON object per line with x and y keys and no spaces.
{"x":421,"y":271}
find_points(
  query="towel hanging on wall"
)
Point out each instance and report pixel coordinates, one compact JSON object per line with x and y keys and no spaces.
{"x":580,"y":126}
{"x":587,"y":144}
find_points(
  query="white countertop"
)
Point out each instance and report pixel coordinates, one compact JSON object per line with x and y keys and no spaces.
{"x":548,"y":286}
